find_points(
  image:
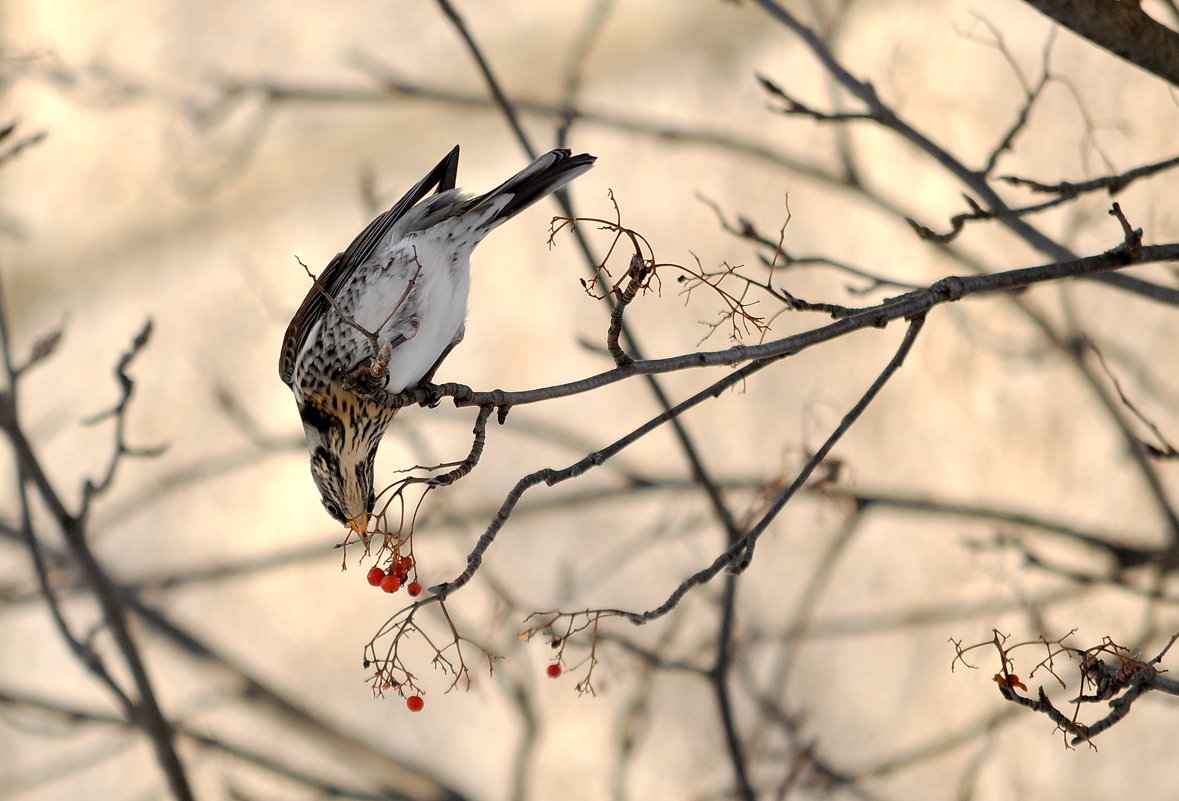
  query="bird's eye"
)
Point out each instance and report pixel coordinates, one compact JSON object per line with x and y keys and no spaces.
{"x":334,"y":511}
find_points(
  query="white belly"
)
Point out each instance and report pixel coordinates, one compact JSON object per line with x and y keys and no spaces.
{"x":437,"y":302}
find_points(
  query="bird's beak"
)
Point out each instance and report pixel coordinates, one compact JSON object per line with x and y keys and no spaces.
{"x":359,"y":524}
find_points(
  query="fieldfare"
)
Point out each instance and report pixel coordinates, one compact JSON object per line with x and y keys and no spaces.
{"x":384,"y":314}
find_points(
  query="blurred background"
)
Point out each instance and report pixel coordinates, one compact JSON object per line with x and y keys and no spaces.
{"x":193,"y":152}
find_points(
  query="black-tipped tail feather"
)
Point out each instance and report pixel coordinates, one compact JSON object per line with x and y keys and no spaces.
{"x":542,"y":177}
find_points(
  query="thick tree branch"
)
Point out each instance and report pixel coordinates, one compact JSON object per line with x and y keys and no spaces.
{"x":1122,"y":28}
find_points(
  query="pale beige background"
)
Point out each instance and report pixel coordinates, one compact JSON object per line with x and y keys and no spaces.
{"x":129,"y":211}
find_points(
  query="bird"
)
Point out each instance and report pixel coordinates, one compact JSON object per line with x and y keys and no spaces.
{"x":385,"y":313}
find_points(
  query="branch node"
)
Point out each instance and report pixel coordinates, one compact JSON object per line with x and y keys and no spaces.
{"x":1132,"y":245}
{"x":949,"y":288}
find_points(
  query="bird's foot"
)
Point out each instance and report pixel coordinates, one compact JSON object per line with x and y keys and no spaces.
{"x":429,"y":394}
{"x":368,"y":388}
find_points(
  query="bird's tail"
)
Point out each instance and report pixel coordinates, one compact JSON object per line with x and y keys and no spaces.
{"x":542,"y":177}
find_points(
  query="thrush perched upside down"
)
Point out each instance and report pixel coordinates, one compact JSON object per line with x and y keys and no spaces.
{"x":384,"y":314}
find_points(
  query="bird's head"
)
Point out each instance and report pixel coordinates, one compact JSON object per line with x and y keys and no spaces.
{"x":343,"y":445}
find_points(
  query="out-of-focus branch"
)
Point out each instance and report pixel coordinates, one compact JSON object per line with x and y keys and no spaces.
{"x":1122,"y":28}
{"x":720,"y":677}
{"x":17,"y":147}
{"x":1111,"y":183}
{"x":143,"y":711}
{"x":990,"y":202}
{"x":91,"y":489}
{"x":975,"y":180}
{"x":781,"y":260}
{"x":69,"y":713}
{"x":389,"y":774}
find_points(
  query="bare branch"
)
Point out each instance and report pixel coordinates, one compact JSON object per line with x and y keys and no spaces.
{"x":1112,"y":183}
{"x":20,"y":145}
{"x":1123,"y":29}
{"x":1164,"y":449}
{"x":946,"y":290}
{"x":92,"y":489}
{"x":1120,"y":682}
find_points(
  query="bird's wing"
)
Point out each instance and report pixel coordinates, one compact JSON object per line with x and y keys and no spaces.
{"x":341,"y":268}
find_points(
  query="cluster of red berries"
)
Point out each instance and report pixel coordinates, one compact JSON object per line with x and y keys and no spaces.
{"x":392,"y":578}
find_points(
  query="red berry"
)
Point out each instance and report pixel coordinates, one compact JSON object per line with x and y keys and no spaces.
{"x":406,"y":562}
{"x":375,"y":576}
{"x":402,"y":575}
{"x":415,"y":703}
{"x":414,"y":589}
{"x":390,"y":584}
{"x":553,"y":671}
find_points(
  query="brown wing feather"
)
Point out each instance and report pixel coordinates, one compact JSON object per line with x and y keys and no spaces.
{"x":341,"y":268}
